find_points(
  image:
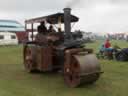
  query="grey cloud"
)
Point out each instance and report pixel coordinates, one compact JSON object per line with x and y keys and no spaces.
{"x":27,"y":5}
{"x":111,"y":18}
{"x":30,"y":5}
{"x":38,"y":5}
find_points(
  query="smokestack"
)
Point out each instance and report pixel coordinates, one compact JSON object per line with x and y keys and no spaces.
{"x":67,"y":21}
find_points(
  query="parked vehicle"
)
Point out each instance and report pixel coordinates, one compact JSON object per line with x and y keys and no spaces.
{"x":8,"y":38}
{"x":14,"y":27}
{"x":89,"y":36}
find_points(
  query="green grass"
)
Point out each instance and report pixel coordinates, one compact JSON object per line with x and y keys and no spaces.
{"x":10,"y":54}
{"x":15,"y":81}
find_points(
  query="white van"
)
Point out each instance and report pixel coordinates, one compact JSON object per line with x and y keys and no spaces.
{"x":8,"y":38}
{"x":89,"y":36}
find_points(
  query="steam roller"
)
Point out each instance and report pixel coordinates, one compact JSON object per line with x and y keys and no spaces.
{"x":80,"y":67}
{"x":53,"y":51}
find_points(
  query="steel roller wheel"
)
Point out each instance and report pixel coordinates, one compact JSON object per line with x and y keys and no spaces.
{"x":93,"y":78}
{"x":71,"y":73}
{"x":28,"y":59}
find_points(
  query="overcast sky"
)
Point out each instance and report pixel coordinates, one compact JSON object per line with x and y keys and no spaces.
{"x":95,"y":15}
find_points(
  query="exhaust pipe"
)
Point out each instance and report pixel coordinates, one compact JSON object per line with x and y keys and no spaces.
{"x":67,"y":22}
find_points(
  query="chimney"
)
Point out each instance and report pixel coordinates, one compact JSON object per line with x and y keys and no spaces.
{"x":67,"y":22}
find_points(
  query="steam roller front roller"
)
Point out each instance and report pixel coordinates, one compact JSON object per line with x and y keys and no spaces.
{"x":80,"y":69}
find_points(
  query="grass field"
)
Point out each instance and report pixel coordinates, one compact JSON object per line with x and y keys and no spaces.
{"x":15,"y":81}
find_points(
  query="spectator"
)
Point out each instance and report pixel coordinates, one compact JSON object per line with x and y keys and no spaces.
{"x":41,"y":28}
{"x":51,"y":29}
{"x":101,"y":49}
{"x":107,"y":44}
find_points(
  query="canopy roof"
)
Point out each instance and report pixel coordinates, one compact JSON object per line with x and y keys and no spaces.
{"x":52,"y":19}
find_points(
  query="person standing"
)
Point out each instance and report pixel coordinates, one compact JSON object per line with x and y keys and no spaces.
{"x":42,"y":28}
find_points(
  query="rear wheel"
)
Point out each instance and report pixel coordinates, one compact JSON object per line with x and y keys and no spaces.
{"x":29,"y":58}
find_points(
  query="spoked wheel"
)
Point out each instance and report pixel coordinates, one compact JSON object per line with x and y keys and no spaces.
{"x":71,"y":73}
{"x":29,"y":59}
